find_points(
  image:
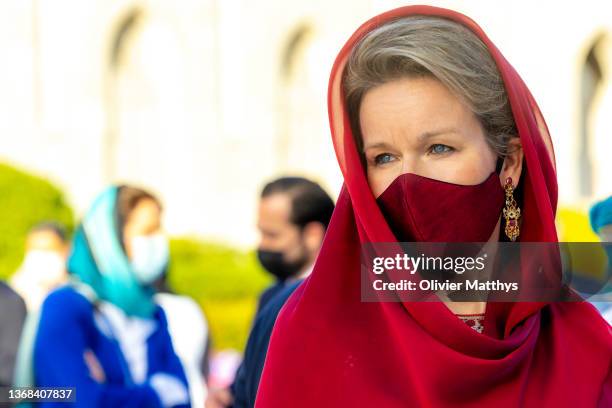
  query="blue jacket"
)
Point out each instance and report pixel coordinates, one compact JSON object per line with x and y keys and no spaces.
{"x":246,"y":383}
{"x":67,"y":329}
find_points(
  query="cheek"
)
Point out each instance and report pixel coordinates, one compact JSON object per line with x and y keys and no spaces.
{"x":271,"y":243}
{"x":467,"y":167}
{"x":379,"y":180}
{"x":294,"y":252}
{"x":283,"y":241}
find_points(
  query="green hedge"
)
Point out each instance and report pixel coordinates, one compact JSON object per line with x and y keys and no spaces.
{"x":26,"y":200}
{"x":225,"y":282}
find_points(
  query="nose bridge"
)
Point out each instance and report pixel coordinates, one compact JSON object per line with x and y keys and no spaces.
{"x":409,"y":164}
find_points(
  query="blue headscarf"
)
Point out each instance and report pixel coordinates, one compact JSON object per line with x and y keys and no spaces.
{"x":99,"y":260}
{"x":601,"y":214}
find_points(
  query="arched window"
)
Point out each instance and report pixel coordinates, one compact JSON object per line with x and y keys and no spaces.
{"x":304,"y":144}
{"x":294,"y":91}
{"x":117,"y":54}
{"x":595,"y":125}
{"x":146,"y":103}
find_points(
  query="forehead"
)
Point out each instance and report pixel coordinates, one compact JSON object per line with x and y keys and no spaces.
{"x":412,"y":106}
{"x":44,"y":240}
{"x":146,"y":210}
{"x":275,"y":208}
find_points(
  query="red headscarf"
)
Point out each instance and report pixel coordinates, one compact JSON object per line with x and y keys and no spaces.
{"x":330,"y":349}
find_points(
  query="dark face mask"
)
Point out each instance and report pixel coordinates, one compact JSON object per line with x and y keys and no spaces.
{"x":275,"y":263}
{"x":420,"y":209}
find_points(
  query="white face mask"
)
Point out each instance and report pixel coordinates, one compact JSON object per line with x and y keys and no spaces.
{"x":605,"y":233}
{"x":44,"y":267}
{"x":150,"y":254}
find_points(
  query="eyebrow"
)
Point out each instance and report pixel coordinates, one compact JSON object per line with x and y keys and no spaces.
{"x":422,"y":137}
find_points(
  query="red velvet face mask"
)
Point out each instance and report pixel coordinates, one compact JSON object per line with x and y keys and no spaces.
{"x":420,"y":209}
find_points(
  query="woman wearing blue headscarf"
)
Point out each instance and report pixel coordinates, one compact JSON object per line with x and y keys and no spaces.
{"x":601,"y":222}
{"x":103,"y":334}
{"x":601,"y":219}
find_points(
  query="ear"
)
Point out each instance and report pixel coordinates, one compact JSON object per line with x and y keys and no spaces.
{"x":513,"y":163}
{"x":313,"y":234}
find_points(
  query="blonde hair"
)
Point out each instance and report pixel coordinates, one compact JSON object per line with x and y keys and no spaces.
{"x":432,"y":46}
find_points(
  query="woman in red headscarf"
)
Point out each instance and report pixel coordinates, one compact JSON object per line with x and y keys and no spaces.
{"x":435,"y":134}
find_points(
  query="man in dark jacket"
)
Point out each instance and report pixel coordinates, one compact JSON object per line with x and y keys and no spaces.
{"x":293,"y":216}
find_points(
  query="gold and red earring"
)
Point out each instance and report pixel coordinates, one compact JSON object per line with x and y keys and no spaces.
{"x":511,"y":212}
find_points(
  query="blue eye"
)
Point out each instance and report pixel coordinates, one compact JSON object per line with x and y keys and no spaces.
{"x":383,"y":158}
{"x":440,"y":149}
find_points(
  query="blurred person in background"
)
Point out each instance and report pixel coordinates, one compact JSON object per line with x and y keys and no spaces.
{"x":44,"y":265}
{"x":601,"y":222}
{"x":103,"y":333}
{"x":188,"y":329}
{"x":293,"y":216}
{"x":12,"y":316}
{"x":601,"y":219}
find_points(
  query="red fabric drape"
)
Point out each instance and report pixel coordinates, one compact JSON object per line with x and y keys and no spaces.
{"x":330,"y":349}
